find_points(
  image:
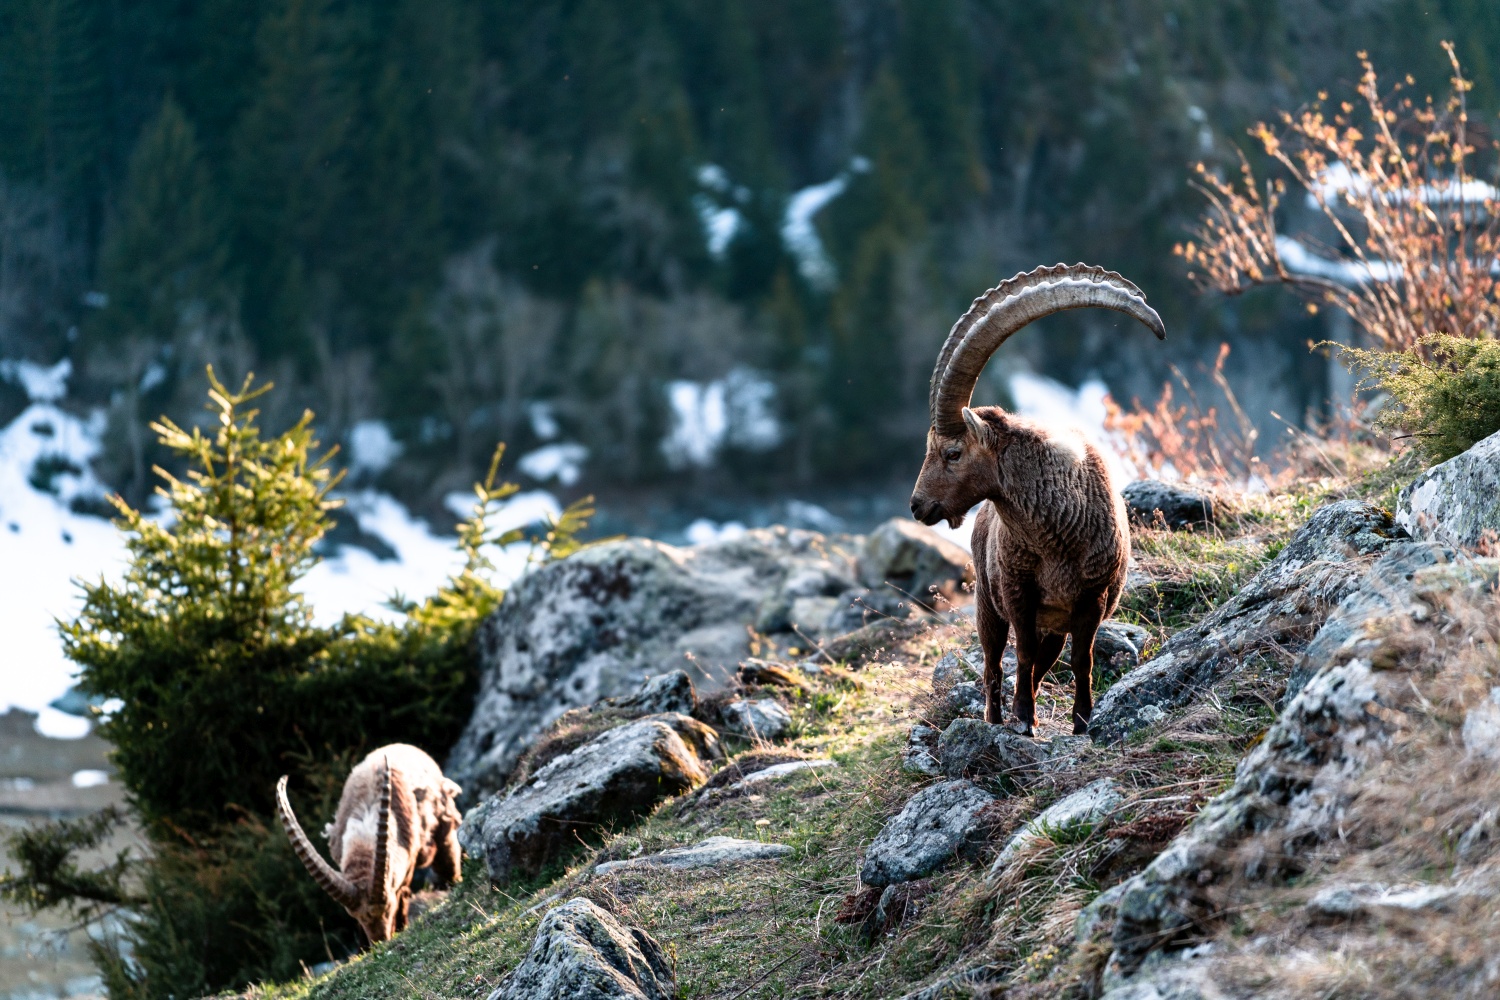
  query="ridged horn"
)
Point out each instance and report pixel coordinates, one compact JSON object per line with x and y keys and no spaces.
{"x":1008,"y":307}
{"x":380,"y":878}
{"x":343,"y":891}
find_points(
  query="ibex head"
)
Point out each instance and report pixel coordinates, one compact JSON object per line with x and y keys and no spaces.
{"x":367,"y":895}
{"x":964,"y":445}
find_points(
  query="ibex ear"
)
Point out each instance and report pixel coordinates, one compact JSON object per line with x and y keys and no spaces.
{"x":976,"y":425}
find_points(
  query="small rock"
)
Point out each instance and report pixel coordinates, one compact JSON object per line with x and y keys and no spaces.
{"x":973,"y":747}
{"x":956,"y":667}
{"x":1458,"y":501}
{"x":710,"y":853}
{"x":763,"y":718}
{"x":669,"y":692}
{"x":770,"y":674}
{"x":1357,"y":898}
{"x":1089,"y":806}
{"x":937,"y":823}
{"x":622,"y":772}
{"x":915,"y":559}
{"x":1179,"y":506}
{"x":1481,"y":730}
{"x":920,"y":753}
{"x":776,"y":771}
{"x":965,"y":701}
{"x":582,"y":952}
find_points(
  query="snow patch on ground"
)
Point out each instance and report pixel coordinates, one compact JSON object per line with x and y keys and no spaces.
{"x":562,"y":461}
{"x":45,"y":545}
{"x":737,"y":410}
{"x":797,"y":233}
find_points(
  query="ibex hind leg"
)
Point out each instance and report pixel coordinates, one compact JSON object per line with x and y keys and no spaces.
{"x":1047,"y":651}
{"x":1087,"y":616}
{"x":994,"y":630}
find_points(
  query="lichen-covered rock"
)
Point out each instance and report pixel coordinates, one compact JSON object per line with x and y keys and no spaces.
{"x":1276,"y":613}
{"x":620,"y":773}
{"x":1175,"y":506}
{"x":1291,"y":791}
{"x":598,"y":623}
{"x":859,"y":606}
{"x":763,"y":718}
{"x":914,"y":559}
{"x":778,"y":771}
{"x":964,"y":701}
{"x":669,"y":692}
{"x":919,"y":756}
{"x":715,"y":852}
{"x":1457,"y":501}
{"x":582,"y":952}
{"x":938,"y":823}
{"x":1093,"y":806}
{"x":972,"y":748}
{"x":957,"y":666}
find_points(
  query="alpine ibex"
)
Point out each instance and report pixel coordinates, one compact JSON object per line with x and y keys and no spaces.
{"x":397,"y":814}
{"x":1050,"y":542}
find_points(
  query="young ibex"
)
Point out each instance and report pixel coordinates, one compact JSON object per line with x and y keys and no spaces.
{"x":1050,"y":542}
{"x":397,"y":814}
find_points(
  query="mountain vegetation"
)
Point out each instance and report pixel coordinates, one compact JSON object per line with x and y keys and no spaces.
{"x":438,"y":214}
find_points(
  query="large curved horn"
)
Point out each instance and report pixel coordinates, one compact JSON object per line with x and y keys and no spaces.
{"x":1008,"y":307}
{"x":380,"y":888}
{"x":343,"y":891}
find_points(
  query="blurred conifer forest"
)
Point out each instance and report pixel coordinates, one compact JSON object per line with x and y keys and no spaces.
{"x":440,"y":213}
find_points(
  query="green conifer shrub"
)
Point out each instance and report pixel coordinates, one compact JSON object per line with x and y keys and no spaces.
{"x":1446,"y":403}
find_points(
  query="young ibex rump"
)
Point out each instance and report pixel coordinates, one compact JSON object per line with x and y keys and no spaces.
{"x":1050,"y":542}
{"x":397,"y":814}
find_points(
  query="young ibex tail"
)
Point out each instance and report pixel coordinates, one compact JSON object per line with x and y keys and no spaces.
{"x":1050,"y":543}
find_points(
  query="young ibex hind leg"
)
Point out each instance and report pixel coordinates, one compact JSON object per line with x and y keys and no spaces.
{"x":1088,"y":614}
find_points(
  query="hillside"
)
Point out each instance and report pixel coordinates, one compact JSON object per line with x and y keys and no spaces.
{"x":1287,"y":796}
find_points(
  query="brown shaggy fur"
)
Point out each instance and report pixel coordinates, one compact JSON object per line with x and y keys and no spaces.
{"x":1051,"y":545}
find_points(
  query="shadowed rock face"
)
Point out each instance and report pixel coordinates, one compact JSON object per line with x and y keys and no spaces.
{"x":583,"y":953}
{"x":1178,"y":506}
{"x":619,"y":774}
{"x":595,"y":625}
{"x":1276,"y":613}
{"x":1458,"y":501}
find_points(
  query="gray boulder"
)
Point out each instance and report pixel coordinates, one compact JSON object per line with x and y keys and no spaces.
{"x":763,"y":718}
{"x":1092,"y":806}
{"x":859,"y":606}
{"x":669,"y":692}
{"x":914,"y":559}
{"x":919,"y":756}
{"x":715,"y":852}
{"x":974,"y":748}
{"x":776,"y":772}
{"x":938,"y":823}
{"x":965,"y":701}
{"x":598,"y":623}
{"x":1276,"y":613}
{"x":621,"y":773}
{"x":957,"y":666}
{"x":1177,"y":506}
{"x":1458,"y":501}
{"x":583,"y":953}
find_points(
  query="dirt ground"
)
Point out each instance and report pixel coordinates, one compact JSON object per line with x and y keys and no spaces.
{"x":41,"y":778}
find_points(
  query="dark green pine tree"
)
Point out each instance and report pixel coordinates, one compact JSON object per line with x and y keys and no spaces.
{"x":51,"y":107}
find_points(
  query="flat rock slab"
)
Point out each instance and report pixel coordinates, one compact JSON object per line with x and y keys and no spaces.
{"x":778,"y":771}
{"x":620,"y":773}
{"x":714,"y":852}
{"x":1089,"y":806}
{"x":937,"y":823}
{"x":668,"y":692}
{"x":1458,"y":501}
{"x":582,"y":952}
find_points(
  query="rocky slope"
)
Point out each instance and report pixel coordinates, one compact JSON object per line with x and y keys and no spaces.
{"x":1292,"y":796}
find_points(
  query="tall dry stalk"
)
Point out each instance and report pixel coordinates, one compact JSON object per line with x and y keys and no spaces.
{"x":1417,"y":231}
